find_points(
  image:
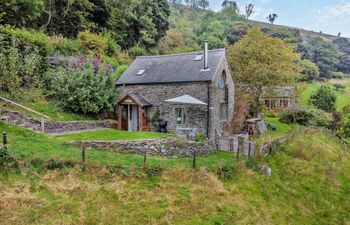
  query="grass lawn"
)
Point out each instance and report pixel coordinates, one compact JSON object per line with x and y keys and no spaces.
{"x":343,"y":99}
{"x":110,"y":135}
{"x":26,"y":145}
{"x":309,"y":185}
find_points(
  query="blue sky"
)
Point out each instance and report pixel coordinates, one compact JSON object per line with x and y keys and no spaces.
{"x":328,"y":16}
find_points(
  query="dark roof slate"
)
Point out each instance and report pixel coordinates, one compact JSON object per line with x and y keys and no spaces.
{"x":172,"y":68}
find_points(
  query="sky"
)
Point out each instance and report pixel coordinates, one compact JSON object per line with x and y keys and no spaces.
{"x":328,"y":16}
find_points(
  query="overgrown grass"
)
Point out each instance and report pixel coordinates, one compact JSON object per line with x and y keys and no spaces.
{"x":343,"y":98}
{"x":110,"y":135}
{"x":309,"y":185}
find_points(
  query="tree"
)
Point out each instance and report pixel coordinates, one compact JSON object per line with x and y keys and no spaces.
{"x":324,"y":53}
{"x":232,"y":5}
{"x":324,"y":98}
{"x":203,"y":4}
{"x":238,"y":30}
{"x":20,"y":13}
{"x":249,"y":10}
{"x":310,"y":71}
{"x":214,"y":33}
{"x":260,"y":63}
{"x":272,"y":17}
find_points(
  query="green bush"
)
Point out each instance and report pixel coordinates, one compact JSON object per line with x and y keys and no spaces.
{"x":6,"y":160}
{"x":137,"y":51}
{"x":324,"y":98}
{"x":200,"y":137}
{"x":226,"y":172}
{"x":66,"y":47}
{"x":153,"y":171}
{"x":21,"y":65}
{"x":93,"y":43}
{"x":85,"y":86}
{"x":305,"y":117}
{"x":179,"y":144}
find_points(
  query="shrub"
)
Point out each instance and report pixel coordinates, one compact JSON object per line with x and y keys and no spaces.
{"x":179,"y":144}
{"x":66,"y":47}
{"x":200,"y":137}
{"x":21,"y":64}
{"x":6,"y":160}
{"x":336,"y":75}
{"x":93,"y":43}
{"x":83,"y":86}
{"x":299,"y":116}
{"x":324,"y":98}
{"x":252,"y":163}
{"x":153,"y":171}
{"x":137,"y":51}
{"x":339,"y":87}
{"x":305,"y":117}
{"x":112,"y":48}
{"x":53,"y":164}
{"x":225,"y":172}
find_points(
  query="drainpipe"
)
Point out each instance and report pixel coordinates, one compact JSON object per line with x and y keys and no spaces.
{"x":208,"y":109}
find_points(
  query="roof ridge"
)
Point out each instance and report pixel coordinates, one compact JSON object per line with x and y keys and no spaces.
{"x":180,"y":54}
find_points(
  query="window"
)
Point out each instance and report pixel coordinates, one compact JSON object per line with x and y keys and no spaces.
{"x":223,"y":111}
{"x":180,"y":115}
{"x":273,"y":104}
{"x":284,"y":103}
{"x":222,"y":81}
{"x":267,"y":104}
{"x":140,"y":72}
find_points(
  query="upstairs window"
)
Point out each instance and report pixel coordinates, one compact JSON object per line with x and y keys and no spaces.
{"x":222,"y":81}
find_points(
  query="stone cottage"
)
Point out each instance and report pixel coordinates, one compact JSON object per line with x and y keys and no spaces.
{"x":151,"y":80}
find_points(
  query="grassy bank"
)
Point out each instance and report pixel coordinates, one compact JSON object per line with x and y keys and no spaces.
{"x":343,"y":98}
{"x":110,"y":135}
{"x":309,"y":185}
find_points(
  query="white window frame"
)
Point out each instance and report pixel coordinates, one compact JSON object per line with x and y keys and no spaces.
{"x":183,"y":116}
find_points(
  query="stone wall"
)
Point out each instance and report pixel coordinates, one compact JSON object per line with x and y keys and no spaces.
{"x":157,"y":147}
{"x":25,"y":121}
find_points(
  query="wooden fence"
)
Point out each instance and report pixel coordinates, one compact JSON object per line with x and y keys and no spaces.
{"x":239,"y":144}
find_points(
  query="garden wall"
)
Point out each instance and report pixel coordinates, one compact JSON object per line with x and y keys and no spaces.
{"x":160,"y":147}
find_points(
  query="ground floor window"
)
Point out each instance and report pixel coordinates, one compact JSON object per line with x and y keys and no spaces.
{"x":223,"y":111}
{"x":280,"y":103}
{"x":180,"y":115}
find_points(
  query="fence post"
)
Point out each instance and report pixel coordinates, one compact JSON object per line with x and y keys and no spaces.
{"x":42,"y":124}
{"x":4,"y":140}
{"x":83,"y":149}
{"x":249,"y":146}
{"x":238,"y":149}
{"x":145,"y":158}
{"x":194,"y":160}
{"x":231,"y":145}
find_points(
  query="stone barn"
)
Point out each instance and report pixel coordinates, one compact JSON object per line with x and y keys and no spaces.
{"x":152,"y":80}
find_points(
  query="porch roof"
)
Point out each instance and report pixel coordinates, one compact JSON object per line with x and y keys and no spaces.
{"x":186,"y":99}
{"x":140,"y":100}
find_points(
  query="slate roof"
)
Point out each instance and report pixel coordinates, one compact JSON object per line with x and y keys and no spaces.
{"x":140,"y":100}
{"x":172,"y":68}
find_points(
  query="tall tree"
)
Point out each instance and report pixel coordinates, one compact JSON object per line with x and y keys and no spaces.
{"x":20,"y":13}
{"x":260,"y":63}
{"x":324,"y":53}
{"x":249,"y":10}
{"x":228,"y":4}
{"x":203,"y":4}
{"x":272,"y":17}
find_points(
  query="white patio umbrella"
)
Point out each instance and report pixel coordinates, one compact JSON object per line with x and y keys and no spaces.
{"x":186,"y":99}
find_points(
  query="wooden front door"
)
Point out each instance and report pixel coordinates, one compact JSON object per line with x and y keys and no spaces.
{"x":132,"y":117}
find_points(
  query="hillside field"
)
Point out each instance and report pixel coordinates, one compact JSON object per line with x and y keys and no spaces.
{"x":310,"y":184}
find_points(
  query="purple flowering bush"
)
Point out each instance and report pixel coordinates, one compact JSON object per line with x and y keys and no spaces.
{"x":83,"y":85}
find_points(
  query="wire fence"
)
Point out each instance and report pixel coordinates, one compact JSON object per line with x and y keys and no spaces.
{"x":44,"y":149}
